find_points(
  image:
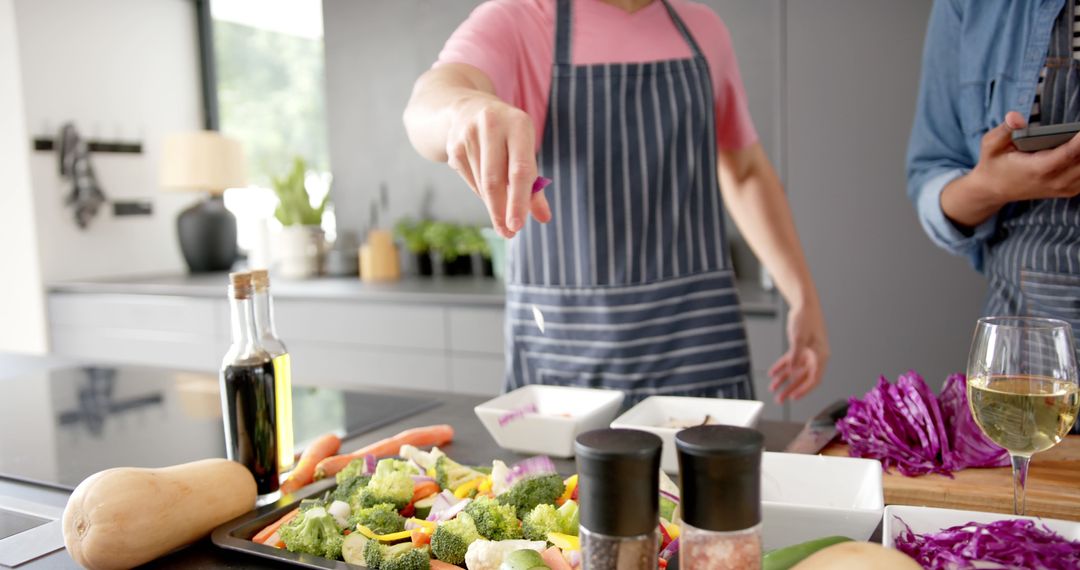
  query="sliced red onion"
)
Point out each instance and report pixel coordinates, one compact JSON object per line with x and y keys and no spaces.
{"x":669,"y":496}
{"x":422,"y":478}
{"x":539,"y":465}
{"x":516,"y":414}
{"x":453,"y":511}
{"x":670,"y":550}
{"x":369,"y":464}
{"x":443,"y":501}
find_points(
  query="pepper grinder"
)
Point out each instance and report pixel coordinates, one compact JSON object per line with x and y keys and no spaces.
{"x":618,"y":482}
{"x":720,"y":476}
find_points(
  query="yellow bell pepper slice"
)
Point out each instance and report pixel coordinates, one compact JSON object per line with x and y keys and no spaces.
{"x":485,"y":485}
{"x":671,"y":528}
{"x":571,"y":484}
{"x":564,"y":541}
{"x":392,"y":537}
{"x":466,"y":489}
{"x":423,"y":523}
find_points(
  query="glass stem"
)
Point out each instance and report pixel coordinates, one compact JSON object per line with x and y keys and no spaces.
{"x":1020,"y":471}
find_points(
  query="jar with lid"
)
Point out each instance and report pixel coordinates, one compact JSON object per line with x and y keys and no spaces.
{"x":720,"y":479}
{"x":618,"y":482}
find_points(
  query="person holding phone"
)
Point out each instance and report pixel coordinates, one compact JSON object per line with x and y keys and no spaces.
{"x":619,"y":274}
{"x":991,"y":67}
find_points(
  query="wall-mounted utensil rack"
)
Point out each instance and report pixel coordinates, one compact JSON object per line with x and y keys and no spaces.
{"x":122,"y":147}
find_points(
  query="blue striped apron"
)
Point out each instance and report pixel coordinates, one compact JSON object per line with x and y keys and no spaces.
{"x":1033,"y":259}
{"x":629,"y":287}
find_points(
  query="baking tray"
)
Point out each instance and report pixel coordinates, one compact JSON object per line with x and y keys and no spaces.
{"x":237,"y":533}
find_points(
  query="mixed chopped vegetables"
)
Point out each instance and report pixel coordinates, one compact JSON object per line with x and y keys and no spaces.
{"x":906,"y":426}
{"x":424,"y":511}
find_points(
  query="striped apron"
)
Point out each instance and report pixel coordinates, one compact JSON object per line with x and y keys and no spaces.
{"x":1033,"y":259}
{"x":629,"y":287}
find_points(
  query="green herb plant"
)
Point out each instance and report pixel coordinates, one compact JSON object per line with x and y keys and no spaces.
{"x":294,"y":203}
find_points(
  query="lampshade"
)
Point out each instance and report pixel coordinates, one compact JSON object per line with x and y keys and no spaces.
{"x":204,"y":161}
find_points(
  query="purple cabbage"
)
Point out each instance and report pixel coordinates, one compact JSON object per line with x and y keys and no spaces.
{"x":1015,"y":543}
{"x":905,"y":426}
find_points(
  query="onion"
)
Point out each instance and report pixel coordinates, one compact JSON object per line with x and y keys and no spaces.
{"x":453,"y":511}
{"x":516,"y":414}
{"x":533,"y":466}
{"x":422,"y":478}
{"x":369,"y":464}
{"x":669,"y":496}
{"x":670,"y":550}
{"x":443,"y":501}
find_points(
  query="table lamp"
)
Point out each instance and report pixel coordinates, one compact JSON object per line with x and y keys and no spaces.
{"x":207,"y":162}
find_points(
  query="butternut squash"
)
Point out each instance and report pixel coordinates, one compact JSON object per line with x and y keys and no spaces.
{"x":124,"y":517}
{"x":857,"y":556}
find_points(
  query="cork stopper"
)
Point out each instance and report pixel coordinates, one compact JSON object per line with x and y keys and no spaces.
{"x":260,"y":279}
{"x":240,"y":285}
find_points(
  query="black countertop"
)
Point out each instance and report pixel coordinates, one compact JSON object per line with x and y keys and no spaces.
{"x":472,"y":444}
{"x":468,"y":291}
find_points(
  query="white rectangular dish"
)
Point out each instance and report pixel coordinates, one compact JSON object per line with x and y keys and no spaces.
{"x":653,"y":412}
{"x":561,"y":413}
{"x":812,"y":496}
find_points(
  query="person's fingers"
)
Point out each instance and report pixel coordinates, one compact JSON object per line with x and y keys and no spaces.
{"x":812,"y":379}
{"x":1060,"y":159}
{"x":521,"y":171}
{"x":539,"y":207}
{"x":999,"y":138}
{"x":493,"y":177}
{"x":458,"y":160}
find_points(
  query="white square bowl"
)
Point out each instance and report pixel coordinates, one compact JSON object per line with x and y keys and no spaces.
{"x":812,"y":496}
{"x":561,"y":414}
{"x":930,"y":519}
{"x":653,"y":412}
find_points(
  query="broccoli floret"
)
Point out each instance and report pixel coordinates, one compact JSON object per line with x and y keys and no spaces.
{"x":569,"y":518}
{"x":540,"y":522}
{"x":397,"y":557}
{"x":315,"y":532}
{"x":392,"y":483}
{"x":494,"y":521}
{"x":450,"y":474}
{"x":349,"y":487}
{"x":451,"y":539}
{"x":526,"y":494}
{"x":380,"y":519}
{"x":355,"y":468}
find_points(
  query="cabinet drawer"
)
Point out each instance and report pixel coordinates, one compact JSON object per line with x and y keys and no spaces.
{"x":137,"y":312}
{"x":344,"y":366}
{"x":477,"y":375}
{"x":184,"y":352}
{"x":372,"y":325}
{"x":476,"y":330}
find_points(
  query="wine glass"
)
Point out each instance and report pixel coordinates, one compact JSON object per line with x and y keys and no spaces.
{"x":1022,"y":387}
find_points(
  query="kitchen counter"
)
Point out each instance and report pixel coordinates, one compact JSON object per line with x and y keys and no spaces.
{"x":469,"y":291}
{"x":472,"y":444}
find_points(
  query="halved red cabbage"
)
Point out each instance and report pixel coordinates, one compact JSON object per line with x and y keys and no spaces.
{"x":1003,"y":544}
{"x":905,"y":426}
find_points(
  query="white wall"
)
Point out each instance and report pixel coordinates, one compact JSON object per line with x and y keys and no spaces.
{"x":119,"y":69}
{"x":22,"y":312}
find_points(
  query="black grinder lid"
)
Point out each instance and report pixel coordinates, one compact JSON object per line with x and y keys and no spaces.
{"x":720,"y":476}
{"x":619,"y":481}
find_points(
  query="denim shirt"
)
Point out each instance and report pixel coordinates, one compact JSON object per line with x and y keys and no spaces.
{"x":981,"y":59}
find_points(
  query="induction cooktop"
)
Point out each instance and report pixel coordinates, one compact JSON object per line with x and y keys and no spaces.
{"x":59,"y":426}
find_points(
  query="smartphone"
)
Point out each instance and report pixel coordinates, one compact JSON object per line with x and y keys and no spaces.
{"x":1042,"y":137}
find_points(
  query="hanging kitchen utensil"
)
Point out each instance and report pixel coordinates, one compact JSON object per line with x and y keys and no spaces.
{"x":86,"y":196}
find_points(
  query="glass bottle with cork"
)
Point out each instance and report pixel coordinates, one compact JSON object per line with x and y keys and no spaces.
{"x":618,"y":482}
{"x":266,"y":333}
{"x":720,"y":478}
{"x":248,"y":394}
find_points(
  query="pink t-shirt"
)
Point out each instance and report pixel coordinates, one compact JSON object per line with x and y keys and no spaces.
{"x":513,"y":43}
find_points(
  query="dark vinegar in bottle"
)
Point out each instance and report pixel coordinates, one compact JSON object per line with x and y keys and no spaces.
{"x":252,"y":421}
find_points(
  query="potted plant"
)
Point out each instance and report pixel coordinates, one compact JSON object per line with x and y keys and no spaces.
{"x":412,"y":236}
{"x":442,"y":237}
{"x":300,"y":244}
{"x":472,"y":243}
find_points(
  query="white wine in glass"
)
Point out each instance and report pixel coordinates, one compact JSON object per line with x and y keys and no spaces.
{"x":1022,"y":387}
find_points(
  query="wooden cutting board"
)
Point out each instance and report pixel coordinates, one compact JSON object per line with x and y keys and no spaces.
{"x":1053,"y":486}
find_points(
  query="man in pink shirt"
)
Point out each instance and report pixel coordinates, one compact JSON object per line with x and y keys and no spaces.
{"x":621,"y":277}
